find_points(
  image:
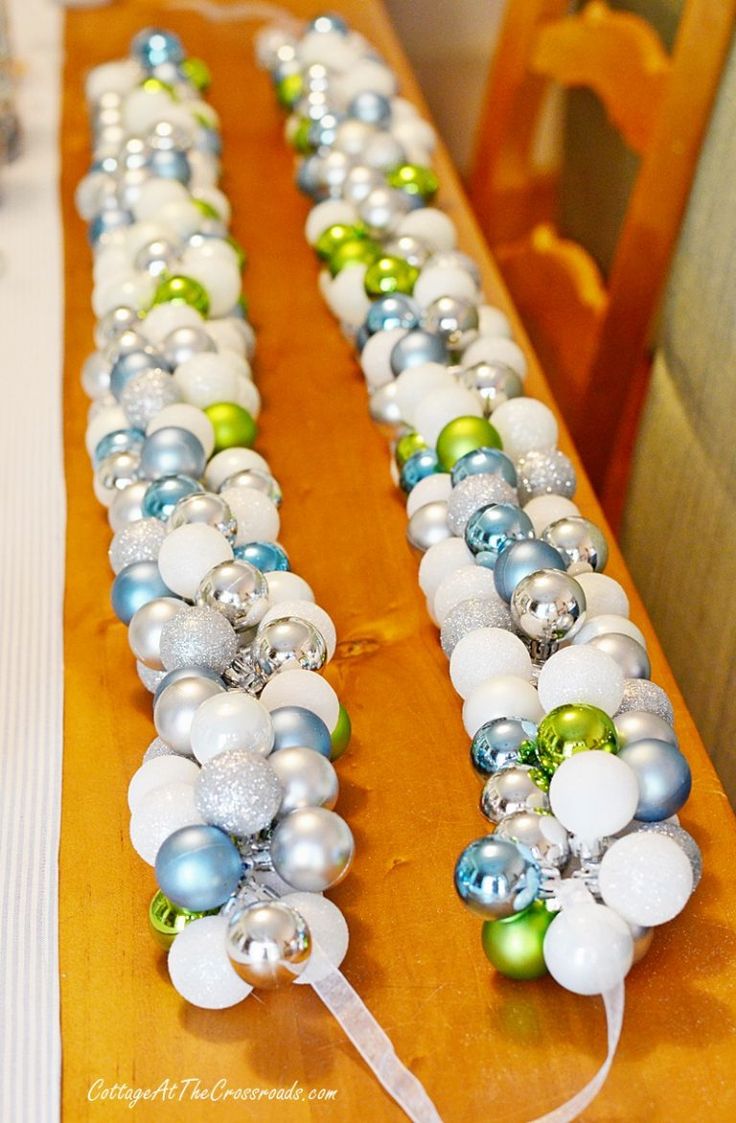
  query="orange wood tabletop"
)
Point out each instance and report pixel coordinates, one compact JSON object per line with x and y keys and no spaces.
{"x":484,"y":1046}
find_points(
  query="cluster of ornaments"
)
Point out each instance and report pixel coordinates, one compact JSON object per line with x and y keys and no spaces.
{"x":582,"y":773}
{"x":233,"y":803}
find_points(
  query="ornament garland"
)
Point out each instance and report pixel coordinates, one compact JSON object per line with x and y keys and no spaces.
{"x":581,"y":767}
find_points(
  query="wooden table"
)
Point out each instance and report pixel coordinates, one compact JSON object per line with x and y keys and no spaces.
{"x":484,"y":1046}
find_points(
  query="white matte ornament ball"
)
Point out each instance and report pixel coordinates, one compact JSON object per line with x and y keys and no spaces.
{"x":182,"y":415}
{"x":205,"y":379}
{"x":160,"y":812}
{"x":165,"y":318}
{"x":306,"y":689}
{"x":161,"y":770}
{"x":435,"y":487}
{"x":188,"y":554}
{"x":466,"y":581}
{"x":594,"y":794}
{"x":232,"y":720}
{"x":604,"y":624}
{"x":524,"y":424}
{"x":646,"y":878}
{"x":219,"y":277}
{"x":375,"y":358}
{"x":546,"y":509}
{"x":283,"y":585}
{"x":346,"y":296}
{"x":247,"y":395}
{"x":154,"y":194}
{"x":604,"y":596}
{"x":497,"y":349}
{"x":581,"y":675}
{"x":329,"y":931}
{"x":442,"y":559}
{"x":588,"y":948}
{"x":431,"y":226}
{"x":439,"y":407}
{"x":257,"y":516}
{"x":231,"y":460}
{"x":415,"y":383}
{"x":501,"y":696}
{"x":106,"y":421}
{"x":306,"y":610}
{"x":484,"y":653}
{"x":201,"y":969}
{"x":331,"y":212}
{"x":436,"y":281}
{"x":493,"y":322}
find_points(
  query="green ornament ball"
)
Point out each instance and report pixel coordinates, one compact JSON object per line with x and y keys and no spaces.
{"x":514,"y":945}
{"x":182,"y":290}
{"x":390,"y":274}
{"x":233,"y":425}
{"x":197,"y":72}
{"x":573,"y":728}
{"x":414,"y":179}
{"x":299,"y":135}
{"x":206,"y":208}
{"x":357,"y":250}
{"x":158,"y":86}
{"x":406,"y":446}
{"x":166,"y":920}
{"x":239,"y":251}
{"x":289,"y":89}
{"x":463,"y":435}
{"x":336,"y":235}
{"x":341,"y":734}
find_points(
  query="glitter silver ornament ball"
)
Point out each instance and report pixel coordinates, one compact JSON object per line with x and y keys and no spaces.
{"x":149,"y":677}
{"x":475,"y":612}
{"x":545,"y":472}
{"x":198,"y":637}
{"x":238,"y":792}
{"x":475,"y":492}
{"x":157,"y":748}
{"x":147,"y":394}
{"x":641,"y":694}
{"x":138,"y":541}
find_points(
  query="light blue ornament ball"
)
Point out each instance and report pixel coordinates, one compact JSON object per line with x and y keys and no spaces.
{"x":370,"y":107}
{"x":198,"y":867}
{"x":484,"y":462}
{"x":493,"y":528}
{"x":496,"y":744}
{"x":420,"y":464}
{"x":295,"y":727}
{"x":269,"y":557}
{"x":129,"y":364}
{"x":519,"y":560}
{"x":327,"y":22}
{"x":162,"y":495}
{"x":135,"y":586}
{"x":170,"y":163}
{"x":111,"y":218}
{"x":394,"y":310}
{"x":495,"y":877}
{"x":153,"y":46}
{"x":172,"y":451}
{"x":121,"y":440}
{"x":663,"y":775}
{"x":416,"y":348}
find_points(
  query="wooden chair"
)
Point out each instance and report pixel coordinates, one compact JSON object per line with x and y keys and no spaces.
{"x":591,"y":332}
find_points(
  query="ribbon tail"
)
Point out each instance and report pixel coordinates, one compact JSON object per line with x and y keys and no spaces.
{"x":373,"y":1044}
{"x":237,"y":13}
{"x":614,"y":1004}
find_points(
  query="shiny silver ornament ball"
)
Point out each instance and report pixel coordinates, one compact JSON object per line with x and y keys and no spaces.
{"x":184,"y":343}
{"x":238,"y":792}
{"x":269,"y":943}
{"x":470,"y":614}
{"x":683,"y":839}
{"x":410,"y":249}
{"x":579,"y":541}
{"x":118,"y":470}
{"x":382,"y":209}
{"x":454,"y":320}
{"x":257,"y":481}
{"x":641,"y":694}
{"x":198,"y":637}
{"x":307,"y":778}
{"x":495,"y":382}
{"x":383,"y":406}
{"x":156,"y":258}
{"x":640,"y":725}
{"x":286,"y":642}
{"x":545,"y":472}
{"x":630,"y":655}
{"x":312,"y":849}
{"x":146,"y":394}
{"x":475,"y":492}
{"x":456,"y":259}
{"x":114,"y":324}
{"x":543,"y":835}
{"x":127,"y":506}
{"x":511,"y":790}
{"x":548,"y":606}
{"x":237,"y":590}
{"x":138,"y":541}
{"x":144,"y":630}
{"x":204,"y":507}
{"x":428,"y":525}
{"x":175,"y":707}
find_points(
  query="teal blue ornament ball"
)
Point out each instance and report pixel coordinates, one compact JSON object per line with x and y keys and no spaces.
{"x":495,"y":878}
{"x":135,"y":586}
{"x":198,"y":867}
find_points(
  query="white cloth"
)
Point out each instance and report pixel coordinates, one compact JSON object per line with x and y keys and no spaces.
{"x":32,"y":523}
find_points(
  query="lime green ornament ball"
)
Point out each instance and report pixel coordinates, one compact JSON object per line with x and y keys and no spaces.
{"x":239,"y":251}
{"x":206,"y":208}
{"x":166,"y":920}
{"x":341,"y":734}
{"x":406,"y":446}
{"x":182,"y":290}
{"x":357,"y":250}
{"x":463,"y":435}
{"x":390,"y":274}
{"x":573,"y":728}
{"x":157,"y":86}
{"x":197,"y":72}
{"x":298,"y":135}
{"x":289,"y":89}
{"x":335,"y":236}
{"x":414,"y":179}
{"x":233,"y":425}
{"x":514,"y":945}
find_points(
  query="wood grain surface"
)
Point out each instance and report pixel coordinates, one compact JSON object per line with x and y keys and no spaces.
{"x":484,"y":1046}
